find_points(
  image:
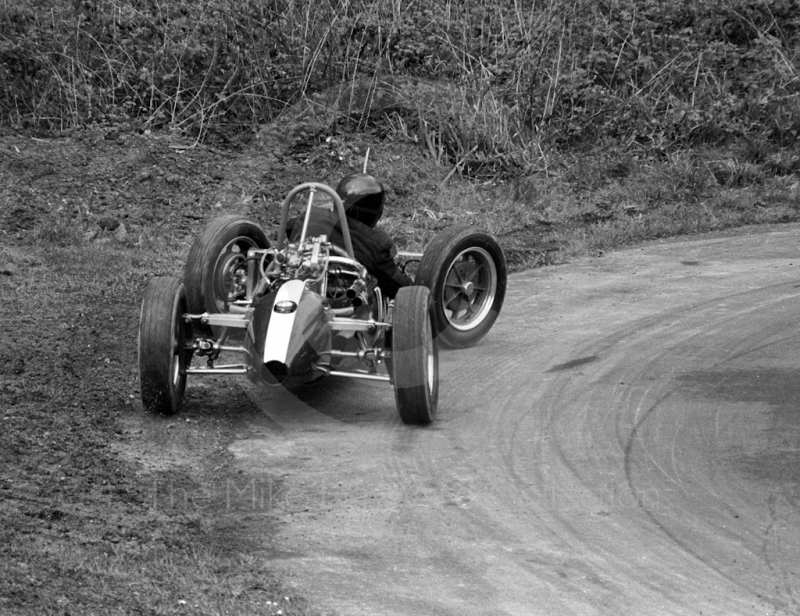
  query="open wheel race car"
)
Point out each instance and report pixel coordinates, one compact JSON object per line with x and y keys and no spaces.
{"x":295,"y":311}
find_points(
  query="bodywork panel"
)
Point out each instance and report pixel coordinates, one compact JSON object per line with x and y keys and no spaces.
{"x":287,"y":344}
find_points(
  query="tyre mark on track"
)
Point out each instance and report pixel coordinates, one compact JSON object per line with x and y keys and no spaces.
{"x":574,"y":363}
{"x":633,"y":442}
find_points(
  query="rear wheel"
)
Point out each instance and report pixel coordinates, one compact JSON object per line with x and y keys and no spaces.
{"x":415,"y":357}
{"x":163,"y":352}
{"x":215,"y":271}
{"x":466,"y":272}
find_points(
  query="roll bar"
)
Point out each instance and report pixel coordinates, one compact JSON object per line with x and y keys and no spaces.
{"x":337,"y":201}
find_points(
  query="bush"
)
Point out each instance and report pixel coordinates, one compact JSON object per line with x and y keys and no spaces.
{"x":566,"y":73}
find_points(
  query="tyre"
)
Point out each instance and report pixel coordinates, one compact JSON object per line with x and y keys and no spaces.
{"x":212,"y":276}
{"x":466,"y":272}
{"x":415,"y":357}
{"x":163,"y":352}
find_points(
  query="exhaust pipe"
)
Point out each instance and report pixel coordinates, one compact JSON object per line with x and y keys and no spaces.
{"x":359,"y":292}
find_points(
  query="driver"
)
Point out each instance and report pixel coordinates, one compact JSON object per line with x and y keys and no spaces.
{"x":363,"y":197}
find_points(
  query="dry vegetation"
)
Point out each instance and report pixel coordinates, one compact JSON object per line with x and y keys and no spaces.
{"x":590,"y":111}
{"x":514,"y":82}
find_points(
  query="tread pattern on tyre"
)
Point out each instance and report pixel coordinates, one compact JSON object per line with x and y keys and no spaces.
{"x":163,"y":303}
{"x":204,"y":252}
{"x":416,"y":402}
{"x":439,"y":254}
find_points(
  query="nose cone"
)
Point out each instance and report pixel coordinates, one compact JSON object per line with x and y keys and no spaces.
{"x":290,"y":344}
{"x":275,"y":372}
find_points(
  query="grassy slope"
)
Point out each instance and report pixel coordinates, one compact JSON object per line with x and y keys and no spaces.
{"x":87,"y":526}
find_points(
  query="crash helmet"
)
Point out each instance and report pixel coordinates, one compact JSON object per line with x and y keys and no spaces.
{"x":362,"y":196}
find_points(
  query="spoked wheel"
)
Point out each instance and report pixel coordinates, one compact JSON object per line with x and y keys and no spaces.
{"x":164,"y":353}
{"x":215,"y":274}
{"x":415,"y":356}
{"x":466,"y":272}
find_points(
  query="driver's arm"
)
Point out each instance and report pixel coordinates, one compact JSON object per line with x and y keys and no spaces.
{"x":390,"y":277}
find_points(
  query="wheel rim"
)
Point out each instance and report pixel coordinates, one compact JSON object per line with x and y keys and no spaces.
{"x":469,"y":289}
{"x":178,"y":348}
{"x":430,"y":360}
{"x":176,"y":370}
{"x":228,"y":286}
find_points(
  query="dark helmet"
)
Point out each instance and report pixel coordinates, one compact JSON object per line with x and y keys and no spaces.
{"x":362,"y":196}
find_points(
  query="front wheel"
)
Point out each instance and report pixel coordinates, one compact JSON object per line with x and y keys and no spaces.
{"x":465,"y":269}
{"x":415,"y":357}
{"x":215,"y":274}
{"x":164,"y":353}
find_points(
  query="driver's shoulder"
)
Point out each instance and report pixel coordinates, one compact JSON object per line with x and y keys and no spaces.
{"x":376,"y":236}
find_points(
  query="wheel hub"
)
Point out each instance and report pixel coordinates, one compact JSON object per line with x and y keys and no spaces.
{"x":230,"y":279}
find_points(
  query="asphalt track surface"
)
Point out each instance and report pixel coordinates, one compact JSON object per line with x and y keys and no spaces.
{"x":626,"y":440}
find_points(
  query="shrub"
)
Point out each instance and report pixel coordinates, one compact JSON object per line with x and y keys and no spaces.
{"x":559,"y":74}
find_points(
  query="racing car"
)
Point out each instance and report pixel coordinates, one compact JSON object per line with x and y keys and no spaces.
{"x":303,"y":308}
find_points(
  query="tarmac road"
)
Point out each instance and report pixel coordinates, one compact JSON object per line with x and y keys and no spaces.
{"x":626,"y":440}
